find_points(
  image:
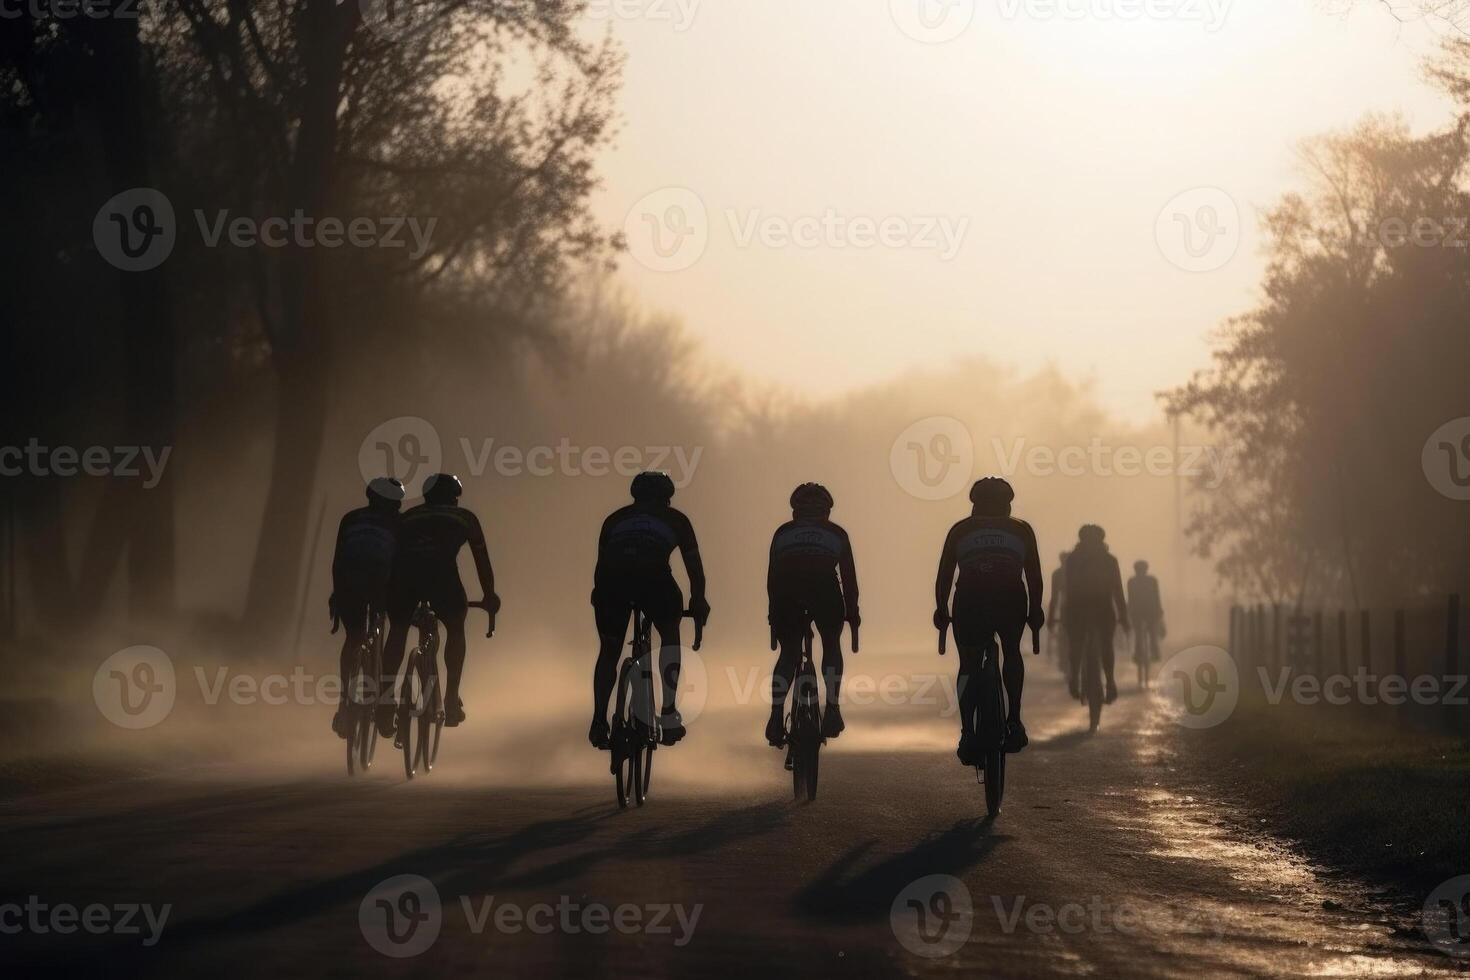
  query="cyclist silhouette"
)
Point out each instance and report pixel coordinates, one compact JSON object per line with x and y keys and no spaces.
{"x":427,"y":570}
{"x":633,"y":552}
{"x":808,"y":555}
{"x":1146,"y":608}
{"x":1056,"y":617}
{"x":999,"y":593}
{"x":1095,"y":604}
{"x":362,"y":564}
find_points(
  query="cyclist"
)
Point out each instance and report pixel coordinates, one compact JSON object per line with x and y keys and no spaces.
{"x":809,"y":554}
{"x":1095,"y":603}
{"x":633,"y":552}
{"x":999,"y":592}
{"x":1055,"y":616}
{"x":1147,"y":610}
{"x":362,"y":563}
{"x":427,"y":570}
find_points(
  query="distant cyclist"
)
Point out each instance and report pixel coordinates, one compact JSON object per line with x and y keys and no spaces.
{"x":427,"y":570}
{"x":362,"y":563}
{"x":1056,"y":616}
{"x":1095,"y":604}
{"x":633,"y":552}
{"x":999,"y":593}
{"x":1146,"y":609}
{"x":811,"y":572}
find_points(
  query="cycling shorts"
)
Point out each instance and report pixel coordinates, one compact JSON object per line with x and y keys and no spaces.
{"x":790,"y":606}
{"x":979,"y":616}
{"x":439,"y":586}
{"x":615,"y":593}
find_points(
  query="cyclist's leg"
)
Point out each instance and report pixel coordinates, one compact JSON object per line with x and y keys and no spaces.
{"x":612,"y":613}
{"x":453,"y":618}
{"x":1106,"y":628}
{"x":832,"y":664}
{"x":402,"y":600}
{"x":786,"y":620}
{"x":1013,"y":667}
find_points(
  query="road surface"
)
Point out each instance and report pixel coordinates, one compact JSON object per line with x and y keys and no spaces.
{"x":1108,"y":860}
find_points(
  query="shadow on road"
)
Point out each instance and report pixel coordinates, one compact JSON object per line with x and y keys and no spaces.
{"x":840,"y":892}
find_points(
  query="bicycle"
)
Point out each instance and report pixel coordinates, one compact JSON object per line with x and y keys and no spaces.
{"x":989,"y":721}
{"x":635,"y":733}
{"x":804,"y":739}
{"x":420,"y":699}
{"x":361,"y":697}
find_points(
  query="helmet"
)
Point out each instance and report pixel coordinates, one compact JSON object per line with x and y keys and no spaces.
{"x":1091,"y":534}
{"x":811,"y":496}
{"x":992,"y":492}
{"x":443,"y":488}
{"x":385,"y":491}
{"x":1140,"y":567}
{"x":653,"y":486}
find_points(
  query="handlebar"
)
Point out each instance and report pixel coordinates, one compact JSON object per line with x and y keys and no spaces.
{"x":490,"y":612}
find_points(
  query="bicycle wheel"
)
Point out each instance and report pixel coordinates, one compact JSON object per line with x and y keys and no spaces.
{"x":410,"y":708}
{"x":995,"y":780}
{"x":813,"y":753}
{"x":431,"y":724}
{"x":623,"y":745}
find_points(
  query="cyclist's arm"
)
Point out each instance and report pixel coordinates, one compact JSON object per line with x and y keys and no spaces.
{"x":1118,"y":598}
{"x":693,"y":564}
{"x":1032,"y":569}
{"x":481,"y":554}
{"x":337,"y":549}
{"x":847,"y":569}
{"x":945,"y":581}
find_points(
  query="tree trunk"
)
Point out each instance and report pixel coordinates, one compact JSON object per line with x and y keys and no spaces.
{"x":301,"y":348}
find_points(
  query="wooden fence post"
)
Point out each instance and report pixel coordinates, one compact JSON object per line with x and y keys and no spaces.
{"x":1235,"y":648}
{"x":1319,"y":645}
{"x":1342,"y":644}
{"x":1401,"y":656}
{"x":1452,"y":659}
{"x":1276,"y":636}
{"x":1366,"y":626}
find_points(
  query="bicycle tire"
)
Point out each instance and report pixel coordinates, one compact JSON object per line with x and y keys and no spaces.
{"x":995,"y":780}
{"x":813,"y":754}
{"x":635,"y":775}
{"x":431,"y":724}
{"x":408,"y":699}
{"x":622,"y":740}
{"x":1094,"y":692}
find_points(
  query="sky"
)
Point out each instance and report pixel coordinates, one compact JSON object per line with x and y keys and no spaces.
{"x":831,"y":192}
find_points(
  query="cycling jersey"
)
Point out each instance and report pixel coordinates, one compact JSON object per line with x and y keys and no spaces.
{"x":811,"y":570}
{"x":999,"y":578}
{"x":428,"y":558}
{"x":643,"y":537}
{"x":1143,"y":599}
{"x":633,"y":552}
{"x":367,"y":544}
{"x":1095,"y":586}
